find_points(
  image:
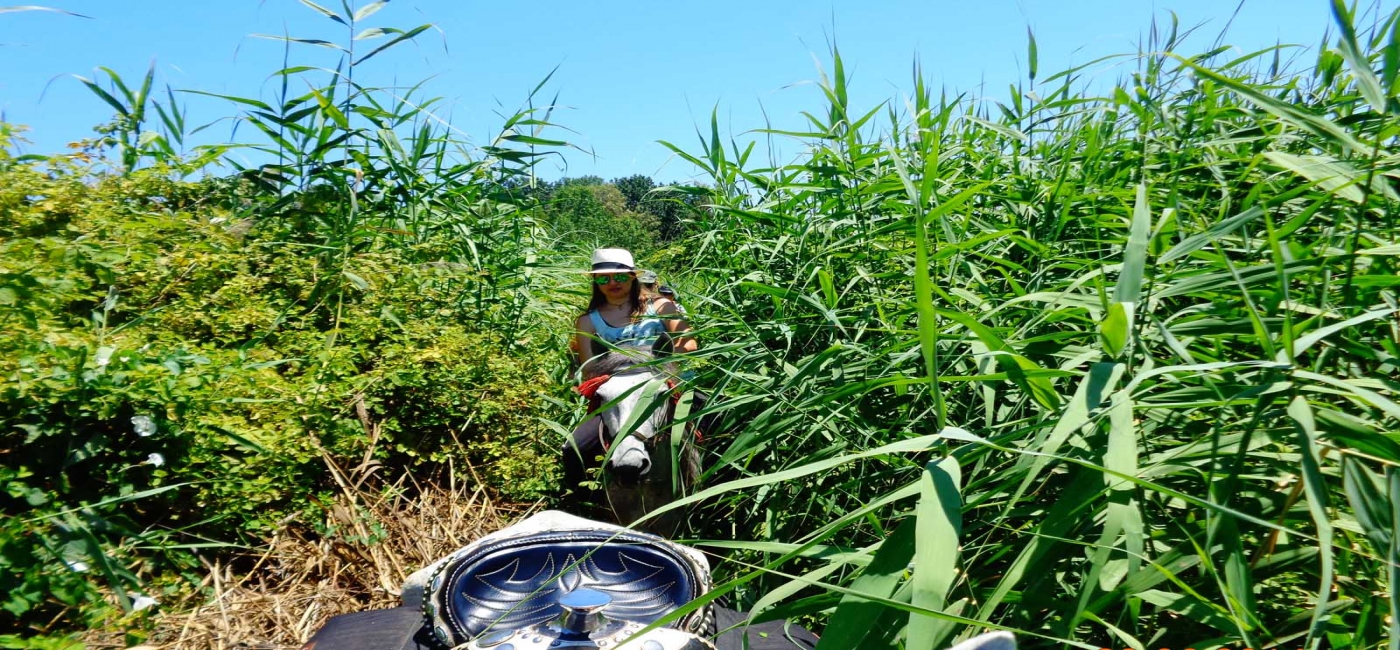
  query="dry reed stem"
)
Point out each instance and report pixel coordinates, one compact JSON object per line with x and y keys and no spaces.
{"x":300,"y":578}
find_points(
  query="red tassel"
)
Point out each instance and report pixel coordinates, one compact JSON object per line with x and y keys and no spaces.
{"x":590,"y":388}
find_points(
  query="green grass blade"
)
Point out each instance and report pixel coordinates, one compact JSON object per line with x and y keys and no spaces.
{"x":1360,"y":65}
{"x":324,"y":12}
{"x":939,"y":515}
{"x":849,"y":625}
{"x":1316,"y":487}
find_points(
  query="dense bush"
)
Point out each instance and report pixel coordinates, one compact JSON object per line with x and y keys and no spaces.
{"x":175,"y":374}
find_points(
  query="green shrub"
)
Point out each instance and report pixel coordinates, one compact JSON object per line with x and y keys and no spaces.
{"x":177,"y":377}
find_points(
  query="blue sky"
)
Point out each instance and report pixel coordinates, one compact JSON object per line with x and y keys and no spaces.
{"x":630,"y":73}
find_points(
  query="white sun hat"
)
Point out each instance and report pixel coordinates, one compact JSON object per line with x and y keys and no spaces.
{"x":612,"y":260}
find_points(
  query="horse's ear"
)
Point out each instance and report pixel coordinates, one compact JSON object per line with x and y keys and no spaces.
{"x":664,"y":346}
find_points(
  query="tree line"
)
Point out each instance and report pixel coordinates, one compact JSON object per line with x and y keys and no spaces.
{"x":633,"y":212}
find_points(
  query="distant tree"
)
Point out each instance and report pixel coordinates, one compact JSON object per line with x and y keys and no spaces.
{"x":597,"y":215}
{"x":581,"y":180}
{"x":635,"y":188}
{"x":611,"y":198}
{"x":521,"y":188}
{"x":670,"y":208}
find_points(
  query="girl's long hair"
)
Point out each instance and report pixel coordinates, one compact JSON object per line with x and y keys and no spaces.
{"x":599,"y":299}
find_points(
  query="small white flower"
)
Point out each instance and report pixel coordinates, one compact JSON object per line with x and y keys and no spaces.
{"x":143,"y":425}
{"x":104,"y":355}
{"x":216,"y":221}
{"x":155,"y":459}
{"x":126,"y":359}
{"x":142,"y":601}
{"x":77,"y":566}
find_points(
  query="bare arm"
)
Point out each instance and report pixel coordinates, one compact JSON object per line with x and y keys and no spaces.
{"x":583,"y":339}
{"x":676,"y":326}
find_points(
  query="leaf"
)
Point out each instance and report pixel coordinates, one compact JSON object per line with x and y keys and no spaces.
{"x":1115,"y":328}
{"x":1198,"y":241}
{"x":1038,"y":387}
{"x":241,"y":100}
{"x":1000,"y":129}
{"x":1316,"y":489}
{"x":1328,"y":173}
{"x":1391,"y":60}
{"x":1093,"y":391}
{"x":1032,"y":53}
{"x":1368,"y":500}
{"x":1129,"y":287}
{"x":104,"y":95}
{"x":329,"y":108}
{"x":6,"y":10}
{"x":398,"y":39}
{"x":356,"y":280}
{"x":1191,"y":608}
{"x":374,"y":32}
{"x":848,"y":626}
{"x":1364,"y":394}
{"x":369,"y":10}
{"x":305,"y":41}
{"x":1320,"y":126}
{"x":1390,"y":249}
{"x":1121,"y":456}
{"x":1360,"y":65}
{"x":529,"y":139}
{"x":939,"y":515}
{"x":1392,"y":475}
{"x":1302,"y":344}
{"x":324,"y":12}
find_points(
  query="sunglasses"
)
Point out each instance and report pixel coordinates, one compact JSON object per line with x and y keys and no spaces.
{"x":620,"y":278}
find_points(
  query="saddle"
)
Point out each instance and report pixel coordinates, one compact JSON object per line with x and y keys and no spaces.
{"x":531,"y":574}
{"x":556,"y":581}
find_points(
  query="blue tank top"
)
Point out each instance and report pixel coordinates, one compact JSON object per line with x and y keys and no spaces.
{"x":640,"y":334}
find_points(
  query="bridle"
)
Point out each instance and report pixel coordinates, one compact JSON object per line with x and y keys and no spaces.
{"x":589,"y":389}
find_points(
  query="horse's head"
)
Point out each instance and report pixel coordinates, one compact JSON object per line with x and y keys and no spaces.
{"x":636,"y":382}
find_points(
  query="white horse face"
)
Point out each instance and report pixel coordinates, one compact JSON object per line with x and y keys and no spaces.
{"x":630,"y":457}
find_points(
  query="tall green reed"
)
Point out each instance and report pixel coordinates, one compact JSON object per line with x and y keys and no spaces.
{"x":1153,"y":324}
{"x":351,"y":168}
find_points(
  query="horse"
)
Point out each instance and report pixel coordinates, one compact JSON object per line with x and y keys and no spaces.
{"x":649,"y":466}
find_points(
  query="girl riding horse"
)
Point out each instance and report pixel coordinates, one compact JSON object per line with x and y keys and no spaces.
{"x":618,"y":328}
{"x":617,"y":298}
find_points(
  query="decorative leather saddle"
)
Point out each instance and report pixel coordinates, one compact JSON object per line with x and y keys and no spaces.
{"x":557,"y":581}
{"x":514,"y":579}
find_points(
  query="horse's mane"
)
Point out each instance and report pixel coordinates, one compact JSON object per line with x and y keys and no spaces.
{"x":614,"y":363}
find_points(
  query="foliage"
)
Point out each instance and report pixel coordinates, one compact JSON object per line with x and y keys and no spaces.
{"x":189,"y":367}
{"x":633,"y":212}
{"x":673,"y":209}
{"x":1107,"y":367}
{"x":595,"y":216}
{"x":131,"y":309}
